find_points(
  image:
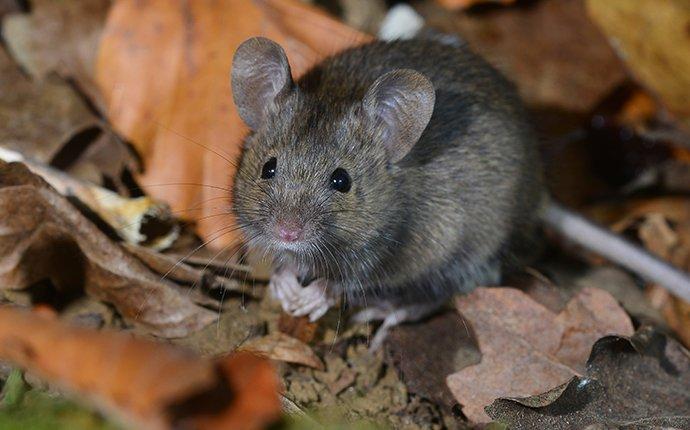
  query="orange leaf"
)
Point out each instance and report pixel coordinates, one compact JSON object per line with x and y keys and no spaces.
{"x":148,"y":385}
{"x":164,"y":70}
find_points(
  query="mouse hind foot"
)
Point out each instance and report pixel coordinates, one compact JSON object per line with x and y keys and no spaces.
{"x":391,"y":316}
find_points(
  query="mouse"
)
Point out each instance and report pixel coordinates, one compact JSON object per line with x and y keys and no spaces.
{"x":393,"y":175}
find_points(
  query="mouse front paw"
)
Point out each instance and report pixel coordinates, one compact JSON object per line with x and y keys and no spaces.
{"x":314,"y":300}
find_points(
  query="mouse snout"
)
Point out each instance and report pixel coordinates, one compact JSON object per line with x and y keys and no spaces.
{"x":289,"y":230}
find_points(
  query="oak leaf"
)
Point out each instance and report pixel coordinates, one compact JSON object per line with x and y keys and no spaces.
{"x":526,"y":348}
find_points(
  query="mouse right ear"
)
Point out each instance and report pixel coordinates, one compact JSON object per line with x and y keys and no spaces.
{"x":260,"y":71}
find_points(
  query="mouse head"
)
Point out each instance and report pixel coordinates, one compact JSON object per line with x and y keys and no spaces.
{"x":320,"y":173}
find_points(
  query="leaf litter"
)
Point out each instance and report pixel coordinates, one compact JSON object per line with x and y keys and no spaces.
{"x":163,"y":85}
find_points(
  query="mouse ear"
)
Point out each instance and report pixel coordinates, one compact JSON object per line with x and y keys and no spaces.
{"x":400,"y":103}
{"x":260,"y":71}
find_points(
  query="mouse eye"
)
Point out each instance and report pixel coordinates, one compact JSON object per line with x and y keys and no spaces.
{"x":340,"y":180}
{"x":269,"y":169}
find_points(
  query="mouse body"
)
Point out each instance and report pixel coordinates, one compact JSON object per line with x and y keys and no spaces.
{"x":442,"y":170}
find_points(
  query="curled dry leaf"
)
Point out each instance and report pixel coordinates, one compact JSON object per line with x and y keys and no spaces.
{"x":129,"y":217}
{"x":38,"y":118}
{"x":663,"y":226}
{"x":201,"y":280}
{"x":633,"y":383}
{"x":146,"y":384}
{"x":163,"y":68}
{"x":656,"y":54}
{"x":526,"y":348}
{"x":58,"y":36}
{"x":281,"y":347}
{"x":47,"y":121}
{"x":45,"y":237}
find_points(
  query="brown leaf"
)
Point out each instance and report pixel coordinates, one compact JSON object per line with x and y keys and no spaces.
{"x":48,"y":121}
{"x":663,"y":226}
{"x":464,"y":4}
{"x":550,"y":49}
{"x":163,"y":68}
{"x":526,"y":348}
{"x":58,"y":36}
{"x":281,"y":347}
{"x":129,"y":217}
{"x":38,"y":118}
{"x":639,"y":382}
{"x":656,"y":54}
{"x":148,"y":385}
{"x":45,"y":237}
{"x":177,"y":269}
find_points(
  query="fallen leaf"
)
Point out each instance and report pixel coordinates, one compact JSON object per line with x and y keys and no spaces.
{"x":105,"y":157}
{"x":45,"y":237}
{"x":49,"y":122}
{"x":638,"y":382}
{"x":281,"y":347}
{"x":550,"y":49}
{"x":58,"y":36}
{"x":526,"y":348}
{"x":163,"y":69}
{"x":203,"y":279}
{"x":464,"y":4}
{"x":38,"y":118}
{"x":146,"y":384}
{"x":131,"y":218}
{"x":663,"y":226}
{"x":656,"y":54}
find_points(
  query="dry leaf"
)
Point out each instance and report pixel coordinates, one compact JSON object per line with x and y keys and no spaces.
{"x":657,"y":51}
{"x":164,"y":68}
{"x":45,"y":237}
{"x":146,"y":384}
{"x":38,"y":118}
{"x":636,"y":383}
{"x":58,"y":36}
{"x":281,"y":347}
{"x":550,"y":49}
{"x":663,"y":226}
{"x":464,"y":4}
{"x":175,"y":268}
{"x":129,"y":217}
{"x":48,"y":121}
{"x":526,"y":348}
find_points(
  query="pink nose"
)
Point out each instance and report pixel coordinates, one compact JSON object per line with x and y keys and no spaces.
{"x":289,"y":232}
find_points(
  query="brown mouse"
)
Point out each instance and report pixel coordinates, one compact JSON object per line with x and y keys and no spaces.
{"x":393,"y":174}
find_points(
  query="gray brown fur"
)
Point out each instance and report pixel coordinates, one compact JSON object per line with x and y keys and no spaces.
{"x":455,"y":212}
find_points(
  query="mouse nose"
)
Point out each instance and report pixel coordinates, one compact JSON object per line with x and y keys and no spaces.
{"x":288,"y":231}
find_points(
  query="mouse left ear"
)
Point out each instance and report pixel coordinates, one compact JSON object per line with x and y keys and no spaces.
{"x":260,"y":71}
{"x":400,"y":104}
